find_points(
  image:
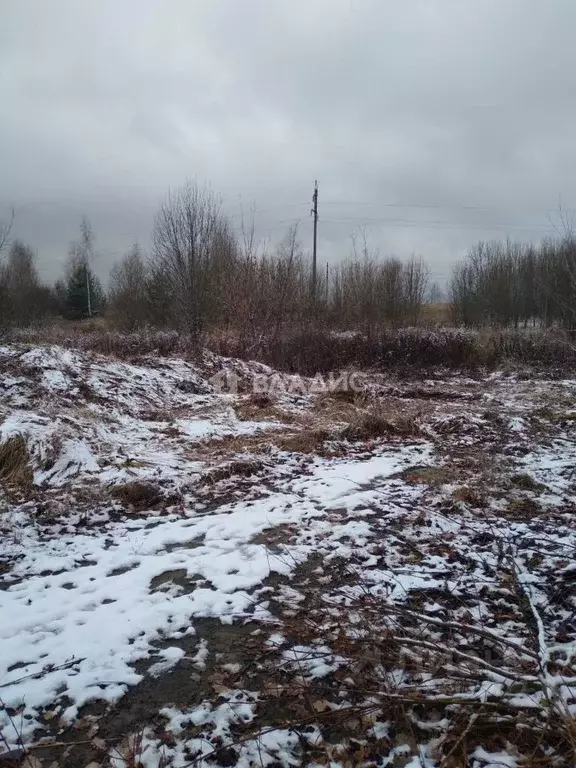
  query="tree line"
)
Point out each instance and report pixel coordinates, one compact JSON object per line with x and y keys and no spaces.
{"x":26,"y":301}
{"x":517,"y":284}
{"x":199,"y":276}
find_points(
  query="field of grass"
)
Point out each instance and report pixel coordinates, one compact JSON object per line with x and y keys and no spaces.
{"x":293,"y":577}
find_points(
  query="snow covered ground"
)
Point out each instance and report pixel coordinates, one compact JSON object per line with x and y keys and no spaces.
{"x":189,"y":577}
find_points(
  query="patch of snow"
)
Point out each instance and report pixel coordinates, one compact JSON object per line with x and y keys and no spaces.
{"x":169,"y":657}
{"x":75,"y":458}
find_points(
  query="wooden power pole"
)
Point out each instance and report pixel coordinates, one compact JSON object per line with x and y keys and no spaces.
{"x":88,"y":296}
{"x":314,"y":244}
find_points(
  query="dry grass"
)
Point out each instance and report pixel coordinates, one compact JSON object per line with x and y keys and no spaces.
{"x":274,"y":537}
{"x":307,"y":441}
{"x":131,"y":752}
{"x":52,"y":451}
{"x":469,"y":496}
{"x":242,"y":467}
{"x":525,"y":507}
{"x":526,"y":482}
{"x":569,"y":728}
{"x":15,"y":467}
{"x":157,"y":414}
{"x":375,"y":424}
{"x":340,"y":396}
{"x":436,"y":313}
{"x":261,"y":407}
{"x":89,"y":394}
{"x":433,"y":476}
{"x":230,"y":445}
{"x":338,"y":406}
{"x":137,"y":495}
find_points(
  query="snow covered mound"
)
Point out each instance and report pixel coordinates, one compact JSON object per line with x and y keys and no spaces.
{"x":86,"y":417}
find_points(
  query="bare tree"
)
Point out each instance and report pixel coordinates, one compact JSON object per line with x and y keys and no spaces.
{"x":6,"y":229}
{"x":192,"y":245}
{"x":127,"y":293}
{"x":504,"y":284}
{"x":415,"y":281}
{"x":23,"y":300}
{"x":285,"y":280}
{"x":435,"y":294}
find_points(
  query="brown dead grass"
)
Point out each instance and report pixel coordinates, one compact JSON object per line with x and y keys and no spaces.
{"x":241,"y":467}
{"x":15,"y":467}
{"x":433,"y":476}
{"x":158,"y":414}
{"x":230,"y":445}
{"x":307,"y":441}
{"x":331,"y":407}
{"x":171,"y":431}
{"x":374,"y":424}
{"x":137,"y":495}
{"x":436,"y":313}
{"x":261,"y":407}
{"x":525,"y":507}
{"x":469,"y":496}
{"x":52,"y":451}
{"x":526,"y":482}
{"x":260,"y":400}
{"x":89,"y":394}
{"x":340,"y":396}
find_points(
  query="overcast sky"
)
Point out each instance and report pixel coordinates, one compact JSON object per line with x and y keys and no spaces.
{"x":433,"y":123}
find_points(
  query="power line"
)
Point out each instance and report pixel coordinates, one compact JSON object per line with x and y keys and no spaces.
{"x":438,"y":224}
{"x":432,"y":206}
{"x":412,"y":224}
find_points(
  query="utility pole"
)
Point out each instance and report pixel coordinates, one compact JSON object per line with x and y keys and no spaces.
{"x":315,"y":214}
{"x":87,"y":244}
{"x":87,"y":270}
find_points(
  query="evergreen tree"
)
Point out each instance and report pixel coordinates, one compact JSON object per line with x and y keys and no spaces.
{"x":84,"y":294}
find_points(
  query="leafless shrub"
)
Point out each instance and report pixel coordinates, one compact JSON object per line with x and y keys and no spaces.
{"x":127,"y":292}
{"x":311,"y":352}
{"x":410,"y":350}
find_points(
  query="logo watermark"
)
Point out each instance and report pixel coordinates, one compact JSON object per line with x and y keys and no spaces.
{"x":228,"y":382}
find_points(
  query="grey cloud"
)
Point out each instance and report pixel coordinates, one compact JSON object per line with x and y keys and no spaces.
{"x":433,"y":123}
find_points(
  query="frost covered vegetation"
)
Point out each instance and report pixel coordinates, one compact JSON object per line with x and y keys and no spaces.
{"x":315,"y":350}
{"x":190,"y":577}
